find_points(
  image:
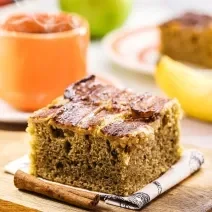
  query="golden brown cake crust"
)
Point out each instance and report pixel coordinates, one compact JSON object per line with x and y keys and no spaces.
{"x":120,"y":128}
{"x":89,"y":102}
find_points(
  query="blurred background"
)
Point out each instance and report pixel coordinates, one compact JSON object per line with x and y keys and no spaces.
{"x":144,"y":12}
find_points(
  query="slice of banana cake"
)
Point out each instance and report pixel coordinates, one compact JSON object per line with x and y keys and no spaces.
{"x":188,"y":38}
{"x":104,"y":139}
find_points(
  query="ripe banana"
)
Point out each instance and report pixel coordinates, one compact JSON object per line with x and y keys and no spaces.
{"x":191,"y":88}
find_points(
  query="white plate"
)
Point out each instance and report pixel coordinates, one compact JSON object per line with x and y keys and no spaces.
{"x":137,"y":49}
{"x":133,"y":49}
{"x":11,"y":115}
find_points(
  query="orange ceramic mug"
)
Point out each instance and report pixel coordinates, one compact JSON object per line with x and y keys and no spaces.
{"x":40,"y":55}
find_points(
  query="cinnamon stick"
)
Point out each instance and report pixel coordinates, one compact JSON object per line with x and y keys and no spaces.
{"x":75,"y":197}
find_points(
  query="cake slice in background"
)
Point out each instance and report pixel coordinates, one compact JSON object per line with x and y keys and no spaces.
{"x":188,"y":38}
{"x":104,"y":139}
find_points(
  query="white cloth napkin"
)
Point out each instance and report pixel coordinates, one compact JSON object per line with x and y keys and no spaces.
{"x":190,"y":162}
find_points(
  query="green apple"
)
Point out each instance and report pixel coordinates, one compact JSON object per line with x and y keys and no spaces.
{"x":102,"y":15}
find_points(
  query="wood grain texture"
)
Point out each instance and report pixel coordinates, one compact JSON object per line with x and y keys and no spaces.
{"x":6,"y":206}
{"x":193,"y":194}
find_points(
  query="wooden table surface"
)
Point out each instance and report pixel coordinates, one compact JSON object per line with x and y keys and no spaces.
{"x":194,"y":194}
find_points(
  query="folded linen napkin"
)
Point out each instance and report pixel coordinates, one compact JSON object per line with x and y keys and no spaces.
{"x":190,"y":162}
